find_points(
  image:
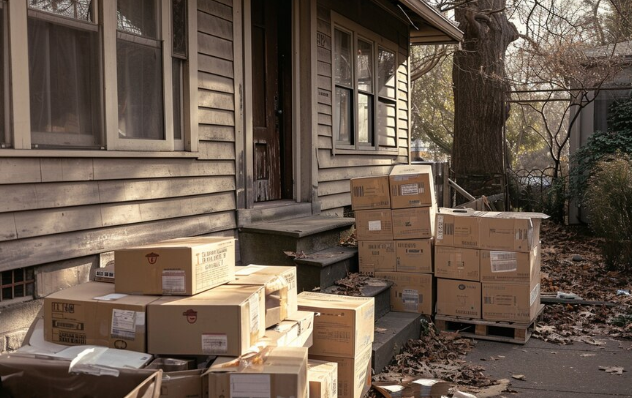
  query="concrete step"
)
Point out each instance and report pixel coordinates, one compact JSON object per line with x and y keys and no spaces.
{"x":393,"y":330}
{"x":266,"y":242}
{"x":379,"y":289}
{"x":323,"y":268}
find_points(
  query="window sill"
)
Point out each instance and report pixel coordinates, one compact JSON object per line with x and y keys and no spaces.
{"x":68,"y":153}
{"x":372,"y":151}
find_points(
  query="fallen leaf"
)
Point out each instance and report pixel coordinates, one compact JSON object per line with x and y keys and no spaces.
{"x":519,"y":377}
{"x":380,"y":330}
{"x":617,"y":370}
{"x":588,"y":355}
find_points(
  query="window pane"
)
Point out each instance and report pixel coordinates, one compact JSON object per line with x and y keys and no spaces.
{"x":177,"y":97}
{"x":140,"y":109}
{"x":179,"y":22}
{"x":342,"y":58}
{"x":386,"y":73}
{"x":139,"y":17}
{"x":65,"y":86}
{"x":76,"y":9}
{"x":365,"y":66}
{"x":342,"y":119}
{"x":365,"y":119}
{"x":5,"y":137}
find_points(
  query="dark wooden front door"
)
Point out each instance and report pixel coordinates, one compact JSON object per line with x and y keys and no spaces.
{"x":271,"y":88}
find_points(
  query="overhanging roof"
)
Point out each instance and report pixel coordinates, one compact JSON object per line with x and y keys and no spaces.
{"x":433,"y":27}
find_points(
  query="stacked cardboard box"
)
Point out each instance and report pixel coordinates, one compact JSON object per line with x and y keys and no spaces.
{"x":395,"y":218}
{"x":488,"y":264}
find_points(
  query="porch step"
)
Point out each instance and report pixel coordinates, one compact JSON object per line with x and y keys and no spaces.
{"x":323,"y":268}
{"x":266,"y":242}
{"x":392,"y":331}
{"x":273,"y":211}
{"x":379,"y":289}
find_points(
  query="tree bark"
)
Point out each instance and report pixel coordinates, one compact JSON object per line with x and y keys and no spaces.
{"x":479,"y":88}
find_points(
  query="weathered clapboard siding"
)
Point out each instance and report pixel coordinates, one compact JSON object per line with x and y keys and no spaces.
{"x":216,"y":66}
{"x":110,"y":169}
{"x":352,"y":172}
{"x":333,"y":187}
{"x":208,"y":132}
{"x":45,"y":249}
{"x":215,"y":26}
{"x":215,"y":82}
{"x":216,"y":8}
{"x":217,"y":100}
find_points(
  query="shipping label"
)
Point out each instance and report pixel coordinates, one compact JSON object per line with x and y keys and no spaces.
{"x":214,"y":343}
{"x":535,"y":293}
{"x":173,"y":281}
{"x":410,"y":298}
{"x":410,"y":189}
{"x":502,"y":261}
{"x":250,"y":385}
{"x":123,"y":324}
{"x":375,"y":225}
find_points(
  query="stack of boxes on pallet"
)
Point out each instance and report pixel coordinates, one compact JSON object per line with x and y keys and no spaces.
{"x":395,"y":218}
{"x":217,"y":330}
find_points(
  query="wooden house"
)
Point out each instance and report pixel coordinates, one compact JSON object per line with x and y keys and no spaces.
{"x":131,"y":121}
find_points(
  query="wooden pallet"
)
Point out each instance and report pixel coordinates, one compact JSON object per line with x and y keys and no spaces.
{"x":506,"y":332}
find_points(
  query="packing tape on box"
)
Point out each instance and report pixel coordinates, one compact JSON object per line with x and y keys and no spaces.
{"x":252,"y":360}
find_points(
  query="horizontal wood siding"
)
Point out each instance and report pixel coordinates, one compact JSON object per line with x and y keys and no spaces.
{"x":54,"y":209}
{"x":335,"y":169}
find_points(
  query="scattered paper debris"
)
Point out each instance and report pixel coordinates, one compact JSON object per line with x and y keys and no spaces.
{"x":616,"y":370}
{"x":519,"y":377}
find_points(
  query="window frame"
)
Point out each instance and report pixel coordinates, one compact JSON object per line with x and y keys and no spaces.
{"x":106,"y":11}
{"x":377,"y":42}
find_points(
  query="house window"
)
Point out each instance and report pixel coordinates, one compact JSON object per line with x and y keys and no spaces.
{"x":179,"y":57}
{"x":16,"y":285}
{"x":363,"y":70}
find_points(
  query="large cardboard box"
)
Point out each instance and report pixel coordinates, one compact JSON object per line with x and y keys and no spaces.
{"x":279,"y":283}
{"x":412,"y":186}
{"x":181,"y":383}
{"x":92,"y":314}
{"x":414,"y":255}
{"x":374,"y":225}
{"x":410,"y":292}
{"x":512,"y":267}
{"x":370,"y":193}
{"x":27,"y":377}
{"x":296,"y":331}
{"x":457,"y":263}
{"x":323,"y":379}
{"x":459,"y":298}
{"x":183,"y":266}
{"x":510,"y":231}
{"x":375,"y":256}
{"x":345,"y":325}
{"x":511,"y":302}
{"x":226,"y":320}
{"x":416,"y":223}
{"x":283,"y":373}
{"x":354,"y":373}
{"x":457,"y":228}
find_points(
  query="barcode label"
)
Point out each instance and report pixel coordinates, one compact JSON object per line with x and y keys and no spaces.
{"x":410,"y":298}
{"x":358,"y":191}
{"x":410,"y":189}
{"x":440,"y":227}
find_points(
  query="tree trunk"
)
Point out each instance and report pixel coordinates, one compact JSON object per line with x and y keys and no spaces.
{"x":479,"y":87}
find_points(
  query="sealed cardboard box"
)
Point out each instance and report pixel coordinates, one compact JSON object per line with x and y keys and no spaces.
{"x":513,"y":267}
{"x":511,"y":302}
{"x":296,"y":331}
{"x":184,"y":266}
{"x":416,"y":223}
{"x":370,"y":193}
{"x":510,"y":231}
{"x":457,"y":228}
{"x":323,"y":379}
{"x":354,"y":373}
{"x":375,"y":256}
{"x":345,"y":325}
{"x":410,"y":292}
{"x":411,"y":186}
{"x":278,"y":288}
{"x":92,"y":314}
{"x":105,"y":274}
{"x":459,"y":298}
{"x":226,"y":320}
{"x":414,"y":255}
{"x":374,"y":225}
{"x":283,"y":373}
{"x":457,"y":263}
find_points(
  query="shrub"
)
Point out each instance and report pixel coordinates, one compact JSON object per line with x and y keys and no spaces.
{"x":609,"y":197}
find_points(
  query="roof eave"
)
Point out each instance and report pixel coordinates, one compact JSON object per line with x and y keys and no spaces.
{"x":434,"y":18}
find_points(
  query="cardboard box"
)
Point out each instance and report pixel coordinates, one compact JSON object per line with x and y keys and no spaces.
{"x":410,"y":292}
{"x":370,"y":193}
{"x":279,"y":283}
{"x":345,"y":325}
{"x":511,"y":302}
{"x":296,"y":331}
{"x":412,"y":186}
{"x":374,"y":225}
{"x":510,"y":231}
{"x":459,"y":298}
{"x":457,"y":228}
{"x":414,"y":256}
{"x":105,"y":274}
{"x":184,"y":266}
{"x":177,"y":380}
{"x":512,"y":267}
{"x":417,"y":223}
{"x":27,"y":377}
{"x":282,"y":374}
{"x":92,"y":314}
{"x":323,"y":379}
{"x":457,"y":263}
{"x":354,"y":373}
{"x":376,"y":256}
{"x":226,"y":320}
